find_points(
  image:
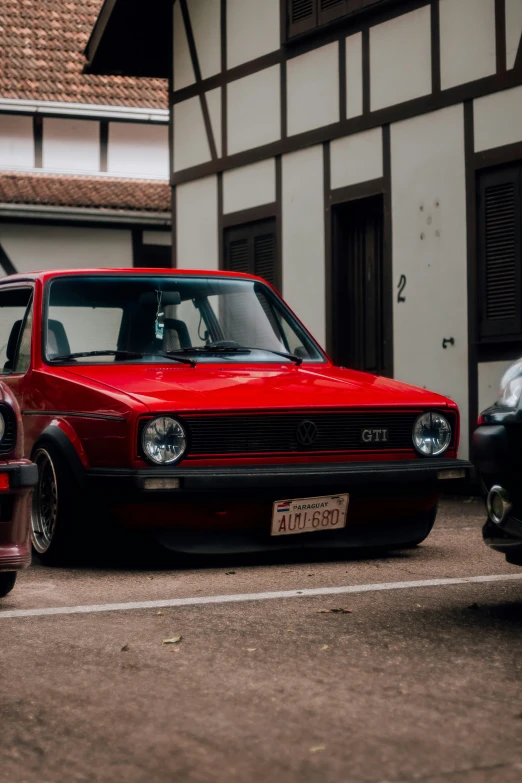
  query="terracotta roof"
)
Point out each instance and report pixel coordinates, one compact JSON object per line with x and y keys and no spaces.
{"x":80,"y":191}
{"x":41,"y":57}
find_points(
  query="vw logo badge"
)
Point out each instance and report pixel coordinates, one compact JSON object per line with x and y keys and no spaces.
{"x":307,"y":433}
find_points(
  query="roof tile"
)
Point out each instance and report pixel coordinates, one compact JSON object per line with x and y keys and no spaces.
{"x":41,"y":57}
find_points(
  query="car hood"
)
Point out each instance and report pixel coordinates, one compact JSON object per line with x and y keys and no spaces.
{"x":214,"y":387}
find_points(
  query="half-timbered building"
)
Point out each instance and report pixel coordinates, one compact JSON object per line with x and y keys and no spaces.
{"x":363,"y":155}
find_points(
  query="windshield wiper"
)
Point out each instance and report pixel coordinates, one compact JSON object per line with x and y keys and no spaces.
{"x":121,"y":355}
{"x":235,"y":349}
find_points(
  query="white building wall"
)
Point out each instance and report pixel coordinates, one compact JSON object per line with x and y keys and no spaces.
{"x":16,"y":141}
{"x":303,"y":238}
{"x":254,"y":110}
{"x":513,"y":30}
{"x":136,"y":149}
{"x":184,"y":74}
{"x":400,"y":59}
{"x":190,"y":136}
{"x":253,"y":29}
{"x":429,"y":248}
{"x":467,"y":41}
{"x":35,"y":247}
{"x":249,"y":186}
{"x":489,"y":377}
{"x":356,"y":158}
{"x":205,"y":18}
{"x":354,"y":88}
{"x":313,"y":89}
{"x":197,"y":224}
{"x":71,"y":144}
{"x":498,"y":119}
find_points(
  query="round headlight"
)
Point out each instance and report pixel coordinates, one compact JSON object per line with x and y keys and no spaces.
{"x":431,"y":434}
{"x":164,"y":440}
{"x":2,"y":426}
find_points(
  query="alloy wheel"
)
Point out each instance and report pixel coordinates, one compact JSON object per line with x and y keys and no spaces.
{"x":45,"y":503}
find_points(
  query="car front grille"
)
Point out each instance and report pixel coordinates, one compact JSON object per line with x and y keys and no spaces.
{"x":277,"y":433}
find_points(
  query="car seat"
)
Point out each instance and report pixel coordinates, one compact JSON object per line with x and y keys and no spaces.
{"x":12,"y":345}
{"x":57,"y":343}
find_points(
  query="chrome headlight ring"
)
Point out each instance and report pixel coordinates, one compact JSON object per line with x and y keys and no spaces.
{"x":431,"y":434}
{"x":164,"y":440}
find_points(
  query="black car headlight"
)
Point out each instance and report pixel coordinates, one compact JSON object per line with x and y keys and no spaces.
{"x":164,"y":440}
{"x":431,"y":434}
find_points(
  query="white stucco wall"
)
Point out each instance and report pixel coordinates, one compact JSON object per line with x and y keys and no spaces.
{"x":205,"y":16}
{"x":16,"y":141}
{"x":313,"y":89}
{"x":138,"y":149}
{"x":489,"y":377}
{"x":249,"y":186}
{"x":190,"y":136}
{"x":197,"y":226}
{"x":303,"y":238}
{"x":71,"y":144}
{"x":513,"y":30}
{"x":467,"y":41}
{"x":498,"y":119}
{"x":34,"y":247}
{"x":253,"y":29}
{"x":354,"y":90}
{"x":184,"y":74}
{"x":254,"y":110}
{"x":429,"y":248}
{"x":356,"y":158}
{"x":400,"y":59}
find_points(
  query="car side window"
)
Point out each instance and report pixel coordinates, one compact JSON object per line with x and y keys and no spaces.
{"x":14,"y":304}
{"x":23,"y":354}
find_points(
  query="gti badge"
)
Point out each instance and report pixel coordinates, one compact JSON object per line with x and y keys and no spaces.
{"x":374,"y":436}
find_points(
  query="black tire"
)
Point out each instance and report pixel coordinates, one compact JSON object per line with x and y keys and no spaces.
{"x":7,"y":581}
{"x":58,"y":508}
{"x":428,"y":517}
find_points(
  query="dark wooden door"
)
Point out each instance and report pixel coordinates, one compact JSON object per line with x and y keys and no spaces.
{"x":361,"y":332}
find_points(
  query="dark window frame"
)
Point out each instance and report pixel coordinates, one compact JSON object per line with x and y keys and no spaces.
{"x":250,"y":234}
{"x":322,"y":13}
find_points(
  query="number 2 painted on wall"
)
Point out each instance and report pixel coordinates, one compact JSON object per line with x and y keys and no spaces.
{"x":401,"y":287}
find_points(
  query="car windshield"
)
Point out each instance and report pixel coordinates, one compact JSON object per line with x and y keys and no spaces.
{"x":186,"y":319}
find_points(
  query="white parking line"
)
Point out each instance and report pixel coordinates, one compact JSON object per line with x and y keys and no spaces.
{"x":242,"y":597}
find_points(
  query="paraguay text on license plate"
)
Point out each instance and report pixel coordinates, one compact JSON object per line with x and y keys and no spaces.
{"x":307,"y":515}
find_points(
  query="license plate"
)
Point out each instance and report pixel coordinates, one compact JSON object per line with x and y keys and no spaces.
{"x":308,"y":515}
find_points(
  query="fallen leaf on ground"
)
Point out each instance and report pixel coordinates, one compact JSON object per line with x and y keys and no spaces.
{"x":174,"y":640}
{"x":125,"y":648}
{"x":317,"y":748}
{"x":335,"y":611}
{"x":251,"y":649}
{"x":325,"y":647}
{"x":160,"y":613}
{"x":229,"y":573}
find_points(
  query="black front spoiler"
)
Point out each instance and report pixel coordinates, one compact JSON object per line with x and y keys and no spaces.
{"x":424,"y":475}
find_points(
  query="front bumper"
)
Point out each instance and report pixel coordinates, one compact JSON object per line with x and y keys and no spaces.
{"x":422,"y":476}
{"x":22,"y":474}
{"x":15,"y":547}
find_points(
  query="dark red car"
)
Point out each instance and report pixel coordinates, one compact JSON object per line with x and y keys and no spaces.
{"x":17,"y":477}
{"x":197,"y":406}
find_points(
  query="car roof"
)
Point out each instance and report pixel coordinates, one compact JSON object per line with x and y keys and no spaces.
{"x":45,"y":275}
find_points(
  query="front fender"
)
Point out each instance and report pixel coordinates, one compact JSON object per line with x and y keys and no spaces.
{"x":63,"y":437}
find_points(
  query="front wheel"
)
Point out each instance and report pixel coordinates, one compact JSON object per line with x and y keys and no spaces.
{"x":56,"y":508}
{"x":7,"y":581}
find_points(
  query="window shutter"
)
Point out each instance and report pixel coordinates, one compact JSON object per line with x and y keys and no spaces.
{"x":331,"y":9}
{"x":265,"y":256}
{"x":301,"y":16}
{"x":251,"y":249}
{"x":500,"y":219}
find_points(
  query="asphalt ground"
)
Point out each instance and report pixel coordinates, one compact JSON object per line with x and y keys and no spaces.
{"x":421,"y":683}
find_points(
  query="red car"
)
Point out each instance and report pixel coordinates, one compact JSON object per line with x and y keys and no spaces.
{"x":17,"y":477}
{"x":197,"y":406}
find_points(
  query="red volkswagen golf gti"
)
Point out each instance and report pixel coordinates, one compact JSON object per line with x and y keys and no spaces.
{"x":195,"y":405}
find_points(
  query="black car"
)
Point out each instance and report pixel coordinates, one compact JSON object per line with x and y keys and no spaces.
{"x":497,"y":455}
